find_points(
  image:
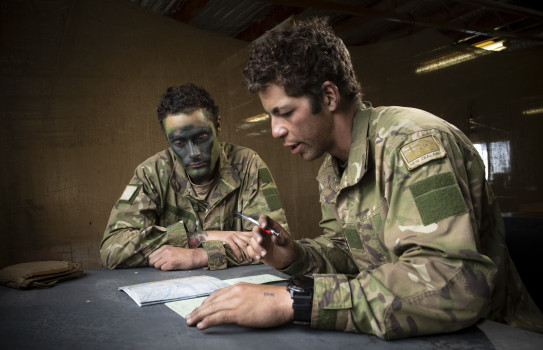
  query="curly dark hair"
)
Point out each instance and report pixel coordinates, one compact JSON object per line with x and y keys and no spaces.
{"x":186,"y":99}
{"x":300,"y":59}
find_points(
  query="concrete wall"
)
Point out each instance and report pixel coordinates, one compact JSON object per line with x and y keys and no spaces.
{"x":80,"y":81}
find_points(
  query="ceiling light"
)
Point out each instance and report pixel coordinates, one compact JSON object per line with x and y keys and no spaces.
{"x":446,"y":61}
{"x":257,"y":118}
{"x":533,"y":111}
{"x":493,"y":44}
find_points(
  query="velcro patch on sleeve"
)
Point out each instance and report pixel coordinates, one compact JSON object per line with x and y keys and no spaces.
{"x":421,"y":151}
{"x":272,"y":198}
{"x":438,"y":197}
{"x":130,"y":193}
{"x":265,"y":175}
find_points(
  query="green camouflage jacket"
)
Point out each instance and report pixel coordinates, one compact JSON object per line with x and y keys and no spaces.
{"x":413,"y":237}
{"x":159,"y":206}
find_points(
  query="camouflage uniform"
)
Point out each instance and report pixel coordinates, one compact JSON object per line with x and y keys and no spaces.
{"x":413,"y":237}
{"x":159,"y":207}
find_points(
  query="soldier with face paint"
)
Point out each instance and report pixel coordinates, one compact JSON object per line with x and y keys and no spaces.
{"x":177,"y":212}
{"x":413,"y":240}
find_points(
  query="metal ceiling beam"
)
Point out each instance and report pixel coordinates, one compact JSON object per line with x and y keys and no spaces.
{"x":189,"y":10}
{"x":505,"y":7}
{"x":278,"y":15}
{"x":401,"y":17}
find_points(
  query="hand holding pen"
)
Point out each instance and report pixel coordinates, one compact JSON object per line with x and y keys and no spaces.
{"x":250,"y":219}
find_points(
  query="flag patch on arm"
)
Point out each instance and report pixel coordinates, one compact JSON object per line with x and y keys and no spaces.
{"x":421,"y":151}
{"x":130,"y":193}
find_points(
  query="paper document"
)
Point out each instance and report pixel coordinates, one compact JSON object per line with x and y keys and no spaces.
{"x":185,"y":307}
{"x":174,"y":289}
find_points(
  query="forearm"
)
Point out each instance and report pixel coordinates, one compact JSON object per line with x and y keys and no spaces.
{"x":131,"y":246}
{"x":320,"y":255}
{"x":396,"y":300}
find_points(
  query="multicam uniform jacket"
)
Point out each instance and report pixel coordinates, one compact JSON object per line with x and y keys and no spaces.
{"x":159,"y":207}
{"x":413,"y":237}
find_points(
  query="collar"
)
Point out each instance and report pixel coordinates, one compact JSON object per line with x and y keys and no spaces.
{"x":330,"y":177}
{"x":227,"y":178}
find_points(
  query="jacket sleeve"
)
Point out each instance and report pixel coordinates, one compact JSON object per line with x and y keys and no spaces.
{"x":420,"y":269}
{"x":133,"y":231}
{"x":260,"y":195}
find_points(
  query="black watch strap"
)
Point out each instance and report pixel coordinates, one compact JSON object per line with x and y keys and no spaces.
{"x":301,"y":292}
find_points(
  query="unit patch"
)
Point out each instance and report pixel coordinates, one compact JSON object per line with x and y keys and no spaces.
{"x":130,"y":193}
{"x":421,"y":151}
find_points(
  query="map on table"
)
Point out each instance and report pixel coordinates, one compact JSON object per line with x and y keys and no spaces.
{"x":174,"y":289}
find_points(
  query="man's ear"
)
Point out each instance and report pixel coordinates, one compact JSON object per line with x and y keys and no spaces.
{"x":331,"y":97}
{"x":218,"y":125}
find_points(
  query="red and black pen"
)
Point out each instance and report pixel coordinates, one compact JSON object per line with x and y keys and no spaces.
{"x":250,"y":219}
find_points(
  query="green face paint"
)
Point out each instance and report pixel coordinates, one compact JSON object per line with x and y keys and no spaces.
{"x":194,"y":140}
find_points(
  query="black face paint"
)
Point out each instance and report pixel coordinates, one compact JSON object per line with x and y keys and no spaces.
{"x":196,"y":147}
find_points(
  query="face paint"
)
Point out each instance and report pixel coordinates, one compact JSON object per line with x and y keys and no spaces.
{"x":194,"y":140}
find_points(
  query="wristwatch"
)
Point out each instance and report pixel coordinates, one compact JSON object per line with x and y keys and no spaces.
{"x":301,"y":292}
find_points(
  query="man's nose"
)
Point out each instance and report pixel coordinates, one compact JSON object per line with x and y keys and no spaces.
{"x":278,"y":128}
{"x":194,"y":150}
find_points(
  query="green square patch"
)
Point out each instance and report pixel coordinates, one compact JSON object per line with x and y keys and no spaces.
{"x":438,"y":197}
{"x":272,"y":198}
{"x":265,"y":175}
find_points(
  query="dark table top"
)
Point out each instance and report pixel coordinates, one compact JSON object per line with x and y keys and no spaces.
{"x":91,"y":313}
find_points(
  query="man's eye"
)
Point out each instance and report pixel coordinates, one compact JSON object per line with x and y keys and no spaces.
{"x":179,"y":143}
{"x":201,"y":138}
{"x":286,"y":114}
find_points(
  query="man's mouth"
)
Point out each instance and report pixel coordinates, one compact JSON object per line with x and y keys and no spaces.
{"x":294,"y":148}
{"x":197,"y":165}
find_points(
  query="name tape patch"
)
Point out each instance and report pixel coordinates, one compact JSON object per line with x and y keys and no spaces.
{"x":421,"y":151}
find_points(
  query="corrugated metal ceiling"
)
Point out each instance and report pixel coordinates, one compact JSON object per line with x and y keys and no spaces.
{"x":361,"y":22}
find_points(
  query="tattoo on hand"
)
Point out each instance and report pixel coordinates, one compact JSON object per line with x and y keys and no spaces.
{"x":196,"y":237}
{"x":266,"y":294}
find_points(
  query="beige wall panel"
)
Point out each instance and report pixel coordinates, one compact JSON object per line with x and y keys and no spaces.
{"x":80,"y":84}
{"x":80,"y":81}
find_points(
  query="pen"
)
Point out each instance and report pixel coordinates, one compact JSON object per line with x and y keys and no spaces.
{"x":268,"y":231}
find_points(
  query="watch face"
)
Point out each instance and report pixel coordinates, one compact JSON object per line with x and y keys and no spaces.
{"x":303,"y":282}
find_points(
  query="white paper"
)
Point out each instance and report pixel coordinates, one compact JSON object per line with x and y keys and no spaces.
{"x":175,"y":289}
{"x":185,"y":307}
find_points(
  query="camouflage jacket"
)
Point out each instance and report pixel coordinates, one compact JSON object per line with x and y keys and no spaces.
{"x":413,"y":237}
{"x":159,"y":207}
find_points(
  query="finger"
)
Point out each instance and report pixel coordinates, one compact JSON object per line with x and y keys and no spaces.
{"x":235,"y":249}
{"x":268,"y":223}
{"x":153,"y":258}
{"x":251,"y":253}
{"x":258,"y":249}
{"x":257,"y":235}
{"x":220,"y":317}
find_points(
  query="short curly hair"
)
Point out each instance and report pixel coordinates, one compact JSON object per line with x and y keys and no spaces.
{"x":300,"y":59}
{"x":186,"y":99}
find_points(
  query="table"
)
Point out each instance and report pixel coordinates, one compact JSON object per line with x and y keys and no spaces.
{"x":90,"y":313}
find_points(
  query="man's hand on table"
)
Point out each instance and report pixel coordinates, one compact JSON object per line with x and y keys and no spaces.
{"x":175,"y":258}
{"x":245,"y":304}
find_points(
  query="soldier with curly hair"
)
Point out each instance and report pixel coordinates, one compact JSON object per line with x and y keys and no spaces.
{"x":413,"y":240}
{"x":177,"y":212}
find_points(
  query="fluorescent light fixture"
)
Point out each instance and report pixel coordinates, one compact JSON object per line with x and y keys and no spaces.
{"x":446,"y":61}
{"x":248,"y":123}
{"x":533,"y":111}
{"x":485,"y":47}
{"x":257,"y":118}
{"x":493,"y":44}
